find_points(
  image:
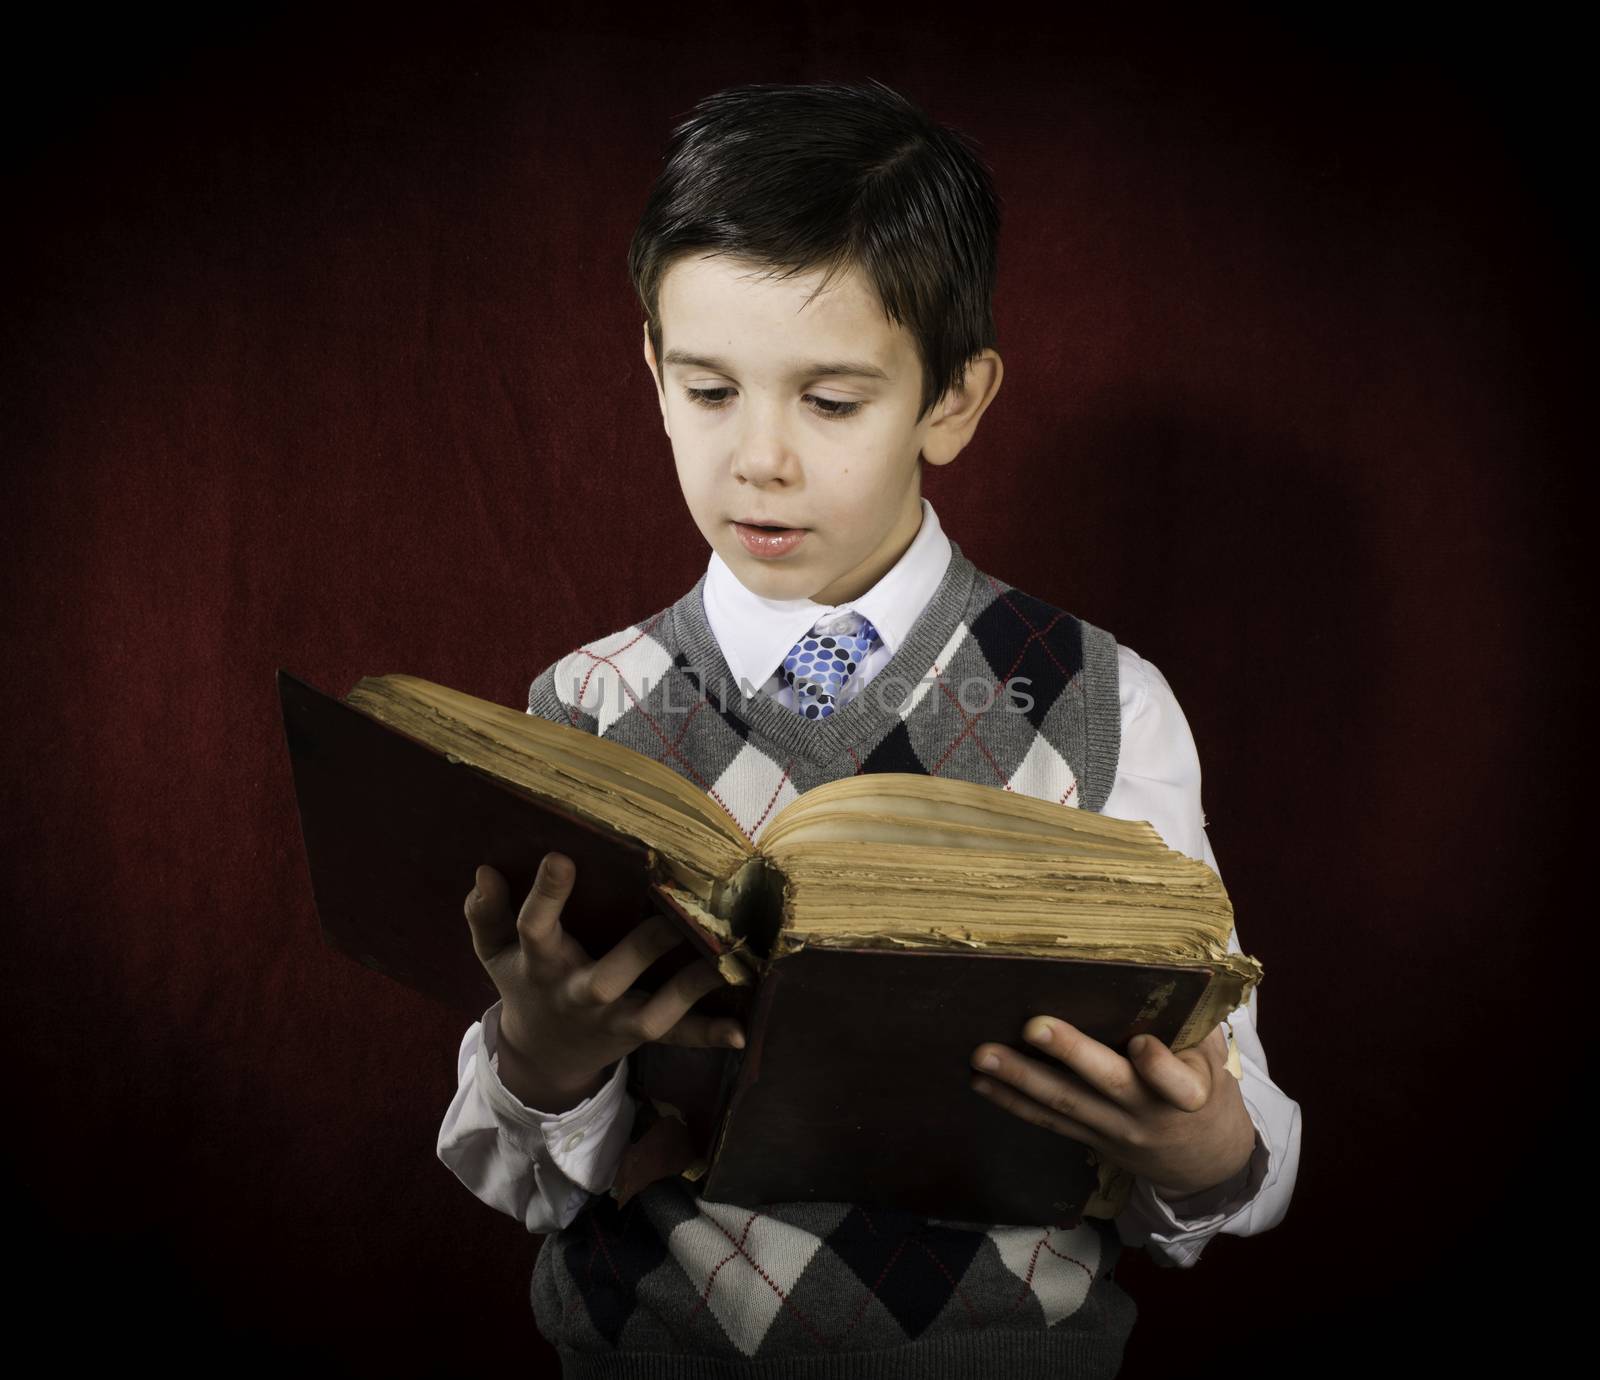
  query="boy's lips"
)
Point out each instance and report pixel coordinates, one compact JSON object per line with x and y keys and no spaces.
{"x":768,"y":541}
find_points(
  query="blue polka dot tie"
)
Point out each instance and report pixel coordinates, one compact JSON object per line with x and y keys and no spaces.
{"x":819,"y":664}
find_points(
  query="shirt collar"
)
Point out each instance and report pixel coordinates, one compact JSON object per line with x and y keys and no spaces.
{"x":755,"y":634}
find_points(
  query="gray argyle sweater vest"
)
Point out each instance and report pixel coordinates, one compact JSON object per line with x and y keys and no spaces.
{"x":990,"y":686}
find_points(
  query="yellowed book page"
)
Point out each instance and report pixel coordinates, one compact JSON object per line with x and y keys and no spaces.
{"x":585,"y":775}
{"x":911,"y":802}
{"x":1160,"y":905}
{"x":985,"y":880}
{"x":865,"y":824}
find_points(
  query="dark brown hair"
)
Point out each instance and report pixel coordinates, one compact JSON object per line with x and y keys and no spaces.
{"x":795,"y":178}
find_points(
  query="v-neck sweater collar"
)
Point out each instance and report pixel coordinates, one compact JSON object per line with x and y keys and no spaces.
{"x":870,"y":714}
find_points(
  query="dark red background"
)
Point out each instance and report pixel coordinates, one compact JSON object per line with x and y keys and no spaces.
{"x":321,"y":354}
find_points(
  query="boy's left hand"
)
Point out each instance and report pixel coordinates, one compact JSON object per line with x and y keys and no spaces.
{"x":1177,"y":1120}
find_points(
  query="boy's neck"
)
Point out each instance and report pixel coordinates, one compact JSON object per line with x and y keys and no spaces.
{"x":857,"y":582}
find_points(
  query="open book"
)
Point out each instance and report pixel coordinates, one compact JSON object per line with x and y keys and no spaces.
{"x":883,"y":926}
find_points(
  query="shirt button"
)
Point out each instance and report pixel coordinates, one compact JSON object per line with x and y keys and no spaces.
{"x":574,"y":1140}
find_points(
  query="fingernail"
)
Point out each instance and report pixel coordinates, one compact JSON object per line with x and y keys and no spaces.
{"x":1137,"y":1044}
{"x":736,"y":1040}
{"x":1039,"y":1032}
{"x":989,"y":1061}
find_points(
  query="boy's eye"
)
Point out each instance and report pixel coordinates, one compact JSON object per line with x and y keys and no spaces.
{"x":715,"y":398}
{"x":833,"y":407}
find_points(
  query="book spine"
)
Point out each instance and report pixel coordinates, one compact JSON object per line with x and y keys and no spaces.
{"x":1224,"y":992}
{"x":752,"y":901}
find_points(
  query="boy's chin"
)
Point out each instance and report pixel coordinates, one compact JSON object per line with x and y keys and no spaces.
{"x":773,"y":579}
{"x":770,"y":585}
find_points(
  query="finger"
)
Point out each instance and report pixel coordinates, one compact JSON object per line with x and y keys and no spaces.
{"x":539,"y":920}
{"x":662,"y":1012}
{"x":1055,"y":1088}
{"x":697,"y":1031}
{"x":611,"y":976}
{"x":1018,"y":1104}
{"x":1100,"y":1066}
{"x":1171,"y":1077}
{"x":488,"y":915}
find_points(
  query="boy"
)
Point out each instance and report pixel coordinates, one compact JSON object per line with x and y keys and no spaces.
{"x":816,"y":266}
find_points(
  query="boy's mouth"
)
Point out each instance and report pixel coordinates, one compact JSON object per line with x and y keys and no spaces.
{"x":768,"y":539}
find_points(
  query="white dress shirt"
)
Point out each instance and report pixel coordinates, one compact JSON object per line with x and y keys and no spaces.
{"x":755,"y":634}
{"x":539,"y":1168}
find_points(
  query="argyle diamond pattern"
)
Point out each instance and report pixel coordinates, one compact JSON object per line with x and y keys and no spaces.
{"x":735,"y":1282}
{"x":990,"y":685}
{"x":951,"y":717}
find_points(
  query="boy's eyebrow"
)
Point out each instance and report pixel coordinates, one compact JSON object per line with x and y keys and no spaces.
{"x":826,"y":369}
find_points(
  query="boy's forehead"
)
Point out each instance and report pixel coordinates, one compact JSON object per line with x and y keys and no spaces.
{"x":711,"y":304}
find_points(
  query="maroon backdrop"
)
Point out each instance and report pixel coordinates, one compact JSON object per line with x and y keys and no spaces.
{"x":322,"y":355}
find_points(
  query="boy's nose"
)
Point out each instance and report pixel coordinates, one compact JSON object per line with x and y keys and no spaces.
{"x":760,"y":469}
{"x":764,"y":456}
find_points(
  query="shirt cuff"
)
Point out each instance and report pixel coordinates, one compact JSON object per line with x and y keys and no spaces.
{"x":578,"y":1140}
{"x":1205,"y":1212}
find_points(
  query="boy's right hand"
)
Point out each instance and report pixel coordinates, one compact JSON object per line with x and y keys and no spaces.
{"x":565,"y":1018}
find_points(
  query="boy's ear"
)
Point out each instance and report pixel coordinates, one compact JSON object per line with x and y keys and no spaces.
{"x":955,"y":416}
{"x":655,"y":373}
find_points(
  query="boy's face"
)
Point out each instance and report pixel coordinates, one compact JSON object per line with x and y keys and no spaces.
{"x":802,"y":415}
